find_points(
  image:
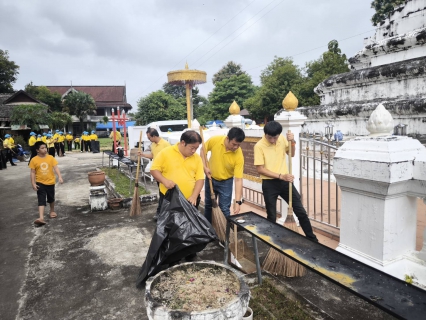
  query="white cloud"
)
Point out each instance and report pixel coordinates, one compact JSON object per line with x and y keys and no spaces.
{"x":135,"y":42}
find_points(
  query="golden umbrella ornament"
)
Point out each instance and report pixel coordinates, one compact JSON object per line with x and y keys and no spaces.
{"x":188,"y":78}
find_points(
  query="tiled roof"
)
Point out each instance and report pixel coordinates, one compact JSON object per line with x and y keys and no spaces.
{"x":111,"y":94}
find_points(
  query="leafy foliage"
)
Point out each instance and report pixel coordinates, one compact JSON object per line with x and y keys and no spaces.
{"x":8,"y":72}
{"x":227,"y":71}
{"x":277,"y":80}
{"x":331,"y":62}
{"x":159,"y":106}
{"x":383,"y":8}
{"x":79,"y":104}
{"x":59,"y":119}
{"x":30,"y":114}
{"x":42,"y":93}
{"x":237,"y":87}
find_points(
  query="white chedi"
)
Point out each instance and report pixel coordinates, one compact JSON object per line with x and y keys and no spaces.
{"x":195,"y":125}
{"x":380,"y":122}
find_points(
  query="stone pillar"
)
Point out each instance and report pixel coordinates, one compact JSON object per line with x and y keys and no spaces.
{"x":235,"y":119}
{"x":378,"y":220}
{"x":292,"y":120}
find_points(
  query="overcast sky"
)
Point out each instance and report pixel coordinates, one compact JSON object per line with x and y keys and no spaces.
{"x":136,"y":42}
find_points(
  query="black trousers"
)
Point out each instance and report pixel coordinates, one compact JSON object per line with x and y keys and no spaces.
{"x":272,"y":188}
{"x":69,"y":145}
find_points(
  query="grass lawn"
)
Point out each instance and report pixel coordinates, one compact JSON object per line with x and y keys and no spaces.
{"x":267,"y":302}
{"x":122,"y":183}
{"x":106,"y":144}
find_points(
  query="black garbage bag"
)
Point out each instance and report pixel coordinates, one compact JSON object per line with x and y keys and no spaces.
{"x":181,"y":230}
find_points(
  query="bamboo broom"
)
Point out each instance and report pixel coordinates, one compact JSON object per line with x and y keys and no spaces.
{"x":135,"y":209}
{"x":275,"y":262}
{"x":218,"y":219}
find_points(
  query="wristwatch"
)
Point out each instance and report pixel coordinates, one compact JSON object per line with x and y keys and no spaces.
{"x":240,"y":202}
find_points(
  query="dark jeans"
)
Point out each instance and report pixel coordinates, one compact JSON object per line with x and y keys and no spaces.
{"x":272,"y":188}
{"x":223,"y":190}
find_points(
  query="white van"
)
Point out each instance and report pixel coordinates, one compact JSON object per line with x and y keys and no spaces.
{"x":165,"y":129}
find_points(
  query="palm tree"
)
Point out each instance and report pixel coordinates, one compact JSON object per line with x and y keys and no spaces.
{"x":79,"y":104}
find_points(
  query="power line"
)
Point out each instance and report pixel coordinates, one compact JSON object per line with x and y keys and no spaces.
{"x":162,"y":75}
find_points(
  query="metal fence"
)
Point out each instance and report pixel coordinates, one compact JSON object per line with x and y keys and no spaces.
{"x":318,"y":189}
{"x":255,"y":197}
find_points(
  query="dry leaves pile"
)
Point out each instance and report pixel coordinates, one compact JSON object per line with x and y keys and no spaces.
{"x":196,"y":288}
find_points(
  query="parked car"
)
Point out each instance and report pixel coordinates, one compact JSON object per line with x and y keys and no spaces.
{"x":219,"y":123}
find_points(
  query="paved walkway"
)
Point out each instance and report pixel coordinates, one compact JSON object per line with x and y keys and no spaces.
{"x":83,"y":264}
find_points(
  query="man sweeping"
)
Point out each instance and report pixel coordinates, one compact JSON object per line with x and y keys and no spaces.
{"x":157,"y":144}
{"x":270,"y":161}
{"x":226,"y":163}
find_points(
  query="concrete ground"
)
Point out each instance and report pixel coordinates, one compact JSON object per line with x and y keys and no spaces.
{"x":83,"y":264}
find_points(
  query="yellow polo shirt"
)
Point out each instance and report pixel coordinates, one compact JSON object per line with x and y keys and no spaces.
{"x":271,"y":156}
{"x":117,"y":135}
{"x":224,"y":164}
{"x":182,"y":171}
{"x":69,"y":137}
{"x":43,"y":139}
{"x":61,"y":138}
{"x":93,"y":137}
{"x":157,"y":147}
{"x":32,"y":141}
{"x":50,"y":143}
{"x":55,"y":136}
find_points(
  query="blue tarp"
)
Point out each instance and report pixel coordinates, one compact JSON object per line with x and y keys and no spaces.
{"x":103,"y":126}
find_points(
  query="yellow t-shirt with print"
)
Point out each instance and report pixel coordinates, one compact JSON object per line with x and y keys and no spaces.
{"x":182,"y":171}
{"x":44,"y":169}
{"x":271,"y":156}
{"x":224,"y":164}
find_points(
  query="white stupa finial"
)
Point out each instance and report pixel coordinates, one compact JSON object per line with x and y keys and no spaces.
{"x":195,"y":125}
{"x":380,"y":123}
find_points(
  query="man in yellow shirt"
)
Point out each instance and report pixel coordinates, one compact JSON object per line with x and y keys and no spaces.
{"x":9,"y":144}
{"x":31,"y":143}
{"x":226,"y":162}
{"x":180,"y":165}
{"x":117,"y":139}
{"x":61,"y":142}
{"x":157,"y":144}
{"x":69,"y":139}
{"x":56,"y":142}
{"x":77,"y":143}
{"x":270,"y":161}
{"x":39,"y":137}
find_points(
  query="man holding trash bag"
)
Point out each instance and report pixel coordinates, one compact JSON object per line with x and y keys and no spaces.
{"x":180,"y":165}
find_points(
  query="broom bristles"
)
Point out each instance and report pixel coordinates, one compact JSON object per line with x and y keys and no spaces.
{"x":219,"y":223}
{"x":135,"y":210}
{"x":277,"y":263}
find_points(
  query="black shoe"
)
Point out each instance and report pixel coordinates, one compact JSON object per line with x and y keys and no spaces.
{"x":13,"y":164}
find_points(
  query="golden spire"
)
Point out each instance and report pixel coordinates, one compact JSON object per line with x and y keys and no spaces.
{"x":290,"y":102}
{"x":186,"y":65}
{"x":234,"y":109}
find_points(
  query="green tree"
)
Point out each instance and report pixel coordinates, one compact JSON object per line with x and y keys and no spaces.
{"x":59,"y":119}
{"x":279,"y":77}
{"x":8,"y":72}
{"x":227,"y":71}
{"x":79,"y":104}
{"x":331,"y":62}
{"x":42,"y":93}
{"x":30,"y":114}
{"x":237,"y":87}
{"x":383,"y":9}
{"x":158,"y":106}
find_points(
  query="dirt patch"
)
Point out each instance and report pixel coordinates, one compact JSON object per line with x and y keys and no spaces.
{"x":196,"y":288}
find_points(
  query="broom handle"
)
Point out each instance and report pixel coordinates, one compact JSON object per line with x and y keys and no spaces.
{"x":290,"y":170}
{"x":139,"y":160}
{"x":204,"y":155}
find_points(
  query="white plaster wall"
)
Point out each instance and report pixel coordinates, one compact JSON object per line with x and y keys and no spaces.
{"x":381,"y":59}
{"x":357,"y":126}
{"x":410,"y":18}
{"x":380,"y":230}
{"x":365,"y":90}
